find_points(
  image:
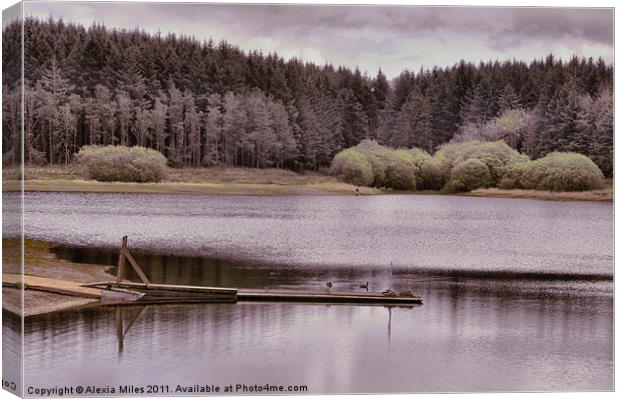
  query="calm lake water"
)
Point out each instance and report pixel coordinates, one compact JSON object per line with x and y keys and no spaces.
{"x":518,"y":294}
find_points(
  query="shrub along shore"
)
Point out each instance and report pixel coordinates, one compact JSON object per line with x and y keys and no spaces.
{"x":476,"y":169}
{"x":464,"y":167}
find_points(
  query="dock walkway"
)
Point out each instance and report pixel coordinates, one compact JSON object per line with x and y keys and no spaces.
{"x":327,"y":296}
{"x":140,"y":293}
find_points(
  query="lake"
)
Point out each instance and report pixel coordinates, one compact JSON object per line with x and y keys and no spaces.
{"x":518,"y":294}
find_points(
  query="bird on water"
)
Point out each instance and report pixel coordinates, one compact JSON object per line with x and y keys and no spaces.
{"x":329,"y":284}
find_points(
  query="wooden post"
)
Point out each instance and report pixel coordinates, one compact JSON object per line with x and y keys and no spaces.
{"x":136,"y":267}
{"x":124,"y":256}
{"x":121,"y":262}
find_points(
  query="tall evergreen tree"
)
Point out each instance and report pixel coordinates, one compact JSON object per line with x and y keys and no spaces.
{"x":415,"y":123}
{"x":55,"y":90}
{"x":213,"y":130}
{"x":509,"y":99}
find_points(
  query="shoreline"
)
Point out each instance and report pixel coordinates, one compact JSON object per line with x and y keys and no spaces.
{"x":603,"y":195}
{"x":189,"y":188}
{"x":274,"y":189}
{"x":252,"y":182}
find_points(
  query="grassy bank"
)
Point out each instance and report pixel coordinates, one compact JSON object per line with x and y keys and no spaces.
{"x":606,"y":194}
{"x":248,"y":181}
{"x":206,"y":181}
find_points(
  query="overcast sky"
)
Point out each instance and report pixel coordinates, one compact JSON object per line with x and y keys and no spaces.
{"x":391,"y":37}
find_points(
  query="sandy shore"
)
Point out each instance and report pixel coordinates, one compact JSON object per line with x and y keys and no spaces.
{"x":38,"y":302}
{"x":39,"y":261}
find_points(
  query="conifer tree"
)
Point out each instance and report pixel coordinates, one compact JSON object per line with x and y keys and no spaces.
{"x":55,"y":90}
{"x":509,"y":99}
{"x":159,"y":118}
{"x":414,"y":123}
{"x":213,"y":130}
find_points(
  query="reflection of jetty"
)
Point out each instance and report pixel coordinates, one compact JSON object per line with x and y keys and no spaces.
{"x":121,"y":291}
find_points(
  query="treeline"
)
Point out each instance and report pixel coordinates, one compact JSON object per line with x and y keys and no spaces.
{"x":206,"y":103}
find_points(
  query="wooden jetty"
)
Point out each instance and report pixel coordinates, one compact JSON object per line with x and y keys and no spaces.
{"x":121,"y":291}
{"x":166,"y":293}
{"x":327,"y":296}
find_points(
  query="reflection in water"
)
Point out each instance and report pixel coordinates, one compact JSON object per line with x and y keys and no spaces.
{"x":518,"y":339}
{"x":135,"y":311}
{"x":389,"y":325}
{"x":206,"y":271}
{"x":122,"y":331}
{"x":215,"y":272}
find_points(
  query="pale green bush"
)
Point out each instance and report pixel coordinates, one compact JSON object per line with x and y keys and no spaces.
{"x":469,"y":175}
{"x":403,"y":155}
{"x":419,"y":157}
{"x":496,"y":155}
{"x":379,"y":157}
{"x":372,"y":164}
{"x":400,"y":176}
{"x":464,"y":167}
{"x":428,"y":172}
{"x":515,"y":174}
{"x":352,"y":166}
{"x":431,"y":176}
{"x":448,"y":153}
{"x":563,"y":171}
{"x":126,"y":164}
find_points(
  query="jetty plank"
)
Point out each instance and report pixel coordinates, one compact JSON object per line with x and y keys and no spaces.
{"x":324,"y":296}
{"x":63,"y":287}
{"x":165,"y":287}
{"x":165,"y":293}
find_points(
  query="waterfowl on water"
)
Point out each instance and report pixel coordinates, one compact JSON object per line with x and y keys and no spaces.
{"x":329,"y":284}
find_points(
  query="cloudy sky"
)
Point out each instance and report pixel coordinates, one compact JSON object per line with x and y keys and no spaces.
{"x":391,"y":37}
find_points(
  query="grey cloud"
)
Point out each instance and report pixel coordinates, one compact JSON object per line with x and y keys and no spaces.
{"x":591,"y":24}
{"x":594,"y":25}
{"x":499,"y":24}
{"x":349,"y":33}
